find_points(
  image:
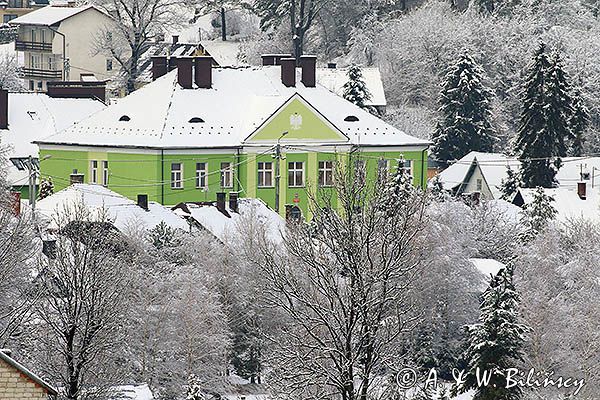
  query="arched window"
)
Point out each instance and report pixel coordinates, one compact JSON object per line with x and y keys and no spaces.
{"x":351,"y":118}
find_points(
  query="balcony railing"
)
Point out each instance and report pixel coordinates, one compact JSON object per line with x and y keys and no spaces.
{"x":41,"y":73}
{"x":22,"y":45}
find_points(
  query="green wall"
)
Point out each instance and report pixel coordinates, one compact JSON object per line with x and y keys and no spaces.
{"x":141,"y":173}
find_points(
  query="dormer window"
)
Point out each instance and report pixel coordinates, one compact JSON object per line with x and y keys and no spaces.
{"x":124,"y":118}
{"x":196,"y":120}
{"x":351,"y":118}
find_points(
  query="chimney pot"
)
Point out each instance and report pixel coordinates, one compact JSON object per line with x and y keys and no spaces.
{"x":288,"y":71}
{"x":172,"y":63}
{"x":331,"y":65}
{"x":582,"y":190}
{"x":3,"y":109}
{"x":221,"y":202}
{"x":184,"y":72}
{"x":274,"y":59}
{"x":142,"y":201}
{"x":175,"y":39}
{"x":159,"y":66}
{"x":309,"y":66}
{"x":203,"y":71}
{"x":75,"y":177}
{"x":233,"y":202}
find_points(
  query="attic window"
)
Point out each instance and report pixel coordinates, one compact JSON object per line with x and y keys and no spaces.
{"x":351,"y":118}
{"x":195,"y":120}
{"x":124,"y":118}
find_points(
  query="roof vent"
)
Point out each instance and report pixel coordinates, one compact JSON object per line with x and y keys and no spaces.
{"x":124,"y":118}
{"x":195,"y":120}
{"x":351,"y":118}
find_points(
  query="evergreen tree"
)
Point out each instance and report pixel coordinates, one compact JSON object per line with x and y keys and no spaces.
{"x":46,"y":188}
{"x":496,"y":342}
{"x":545,"y":120}
{"x":194,"y":390}
{"x":356,"y":91}
{"x":579,"y":123}
{"x":465,"y":113}
{"x":247,"y":347}
{"x":509,"y":185}
{"x":398,"y":190}
{"x":537,"y":214}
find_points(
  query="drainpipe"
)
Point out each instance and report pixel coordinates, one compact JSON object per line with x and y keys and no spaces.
{"x":237,"y":167}
{"x":423,"y":172}
{"x":162,"y":177}
{"x":64,"y":53}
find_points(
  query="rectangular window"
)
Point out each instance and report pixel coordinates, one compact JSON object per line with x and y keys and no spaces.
{"x":109,"y":64}
{"x":94,"y":171}
{"x":265,"y":174}
{"x":176,"y":176}
{"x":226,"y":175}
{"x":33,"y":35}
{"x":105,"y":173}
{"x":479,"y":185}
{"x":325,"y":173}
{"x":295,"y":174}
{"x":201,"y":175}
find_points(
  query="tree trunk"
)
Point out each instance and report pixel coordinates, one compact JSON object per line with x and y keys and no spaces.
{"x":223,"y":25}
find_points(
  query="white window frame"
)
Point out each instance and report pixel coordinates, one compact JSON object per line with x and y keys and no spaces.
{"x":295,"y":168}
{"x":226,"y":175}
{"x":408,"y":168}
{"x":105,"y":172}
{"x":93,"y":171}
{"x":177,"y":175}
{"x":479,"y":184}
{"x":325,"y":176}
{"x":201,"y":175}
{"x":265,"y":174}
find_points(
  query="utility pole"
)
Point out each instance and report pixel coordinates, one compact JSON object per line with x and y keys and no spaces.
{"x":32,"y":170}
{"x":277,"y":170}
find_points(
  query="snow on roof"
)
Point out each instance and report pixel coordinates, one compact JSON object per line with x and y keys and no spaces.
{"x":163,"y":49}
{"x":50,"y":15}
{"x":131,"y":392}
{"x":493,"y":166}
{"x":32,"y":116}
{"x":572,"y":169}
{"x":122,"y":212}
{"x":568,"y":203}
{"x":224,"y":53}
{"x":225,"y":228}
{"x":4,"y":356}
{"x":487,"y":266}
{"x":240,"y":100}
{"x":335,"y":78}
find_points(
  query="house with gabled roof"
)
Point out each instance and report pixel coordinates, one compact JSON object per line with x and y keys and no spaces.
{"x":197,"y":131}
{"x":18,"y":382}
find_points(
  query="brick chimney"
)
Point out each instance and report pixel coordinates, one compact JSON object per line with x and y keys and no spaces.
{"x":3,"y":109}
{"x":288,"y":71}
{"x":175,"y":39}
{"x":233,"y":201}
{"x":184,"y":72}
{"x":203,"y":71}
{"x":142,"y":201}
{"x":221,"y":202}
{"x":274,"y":59}
{"x":309,"y":70}
{"x":172,"y":63}
{"x":159,"y":66}
{"x":15,"y":198}
{"x":582,"y":190}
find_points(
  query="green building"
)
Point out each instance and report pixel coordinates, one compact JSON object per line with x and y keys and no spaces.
{"x":198,"y":130}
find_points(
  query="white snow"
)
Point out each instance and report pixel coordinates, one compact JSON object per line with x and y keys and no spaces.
{"x":225,"y":53}
{"x":240,"y":100}
{"x":123,"y":212}
{"x":225,"y":228}
{"x":568,"y":203}
{"x":32,"y":116}
{"x":132,"y":392}
{"x":487,"y":266}
{"x":50,"y":15}
{"x":335,"y":78}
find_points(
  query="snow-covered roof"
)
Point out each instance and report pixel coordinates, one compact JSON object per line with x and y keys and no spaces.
{"x":568,"y":203}
{"x":32,"y":116}
{"x":493,"y":167}
{"x":131,"y":392}
{"x":122,"y":212}
{"x":225,"y":53}
{"x":335,"y":78}
{"x":226,"y":228}
{"x":50,"y":15}
{"x":240,"y":100}
{"x":163,"y":49}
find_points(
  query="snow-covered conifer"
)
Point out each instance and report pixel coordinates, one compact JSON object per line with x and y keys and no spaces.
{"x":356,"y":91}
{"x":46,"y":188}
{"x":496,"y":341}
{"x":465,"y":121}
{"x":509,"y":185}
{"x":194,"y":389}
{"x":537,"y":214}
{"x":579,"y":122}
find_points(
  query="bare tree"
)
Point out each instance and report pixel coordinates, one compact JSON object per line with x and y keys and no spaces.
{"x":341,"y":286}
{"x":136,"y":24}
{"x":81,"y":308}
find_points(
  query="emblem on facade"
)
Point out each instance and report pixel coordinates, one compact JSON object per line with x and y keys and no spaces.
{"x":296,"y":121}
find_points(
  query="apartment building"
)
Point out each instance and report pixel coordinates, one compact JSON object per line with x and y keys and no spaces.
{"x":57,"y":43}
{"x":11,"y":9}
